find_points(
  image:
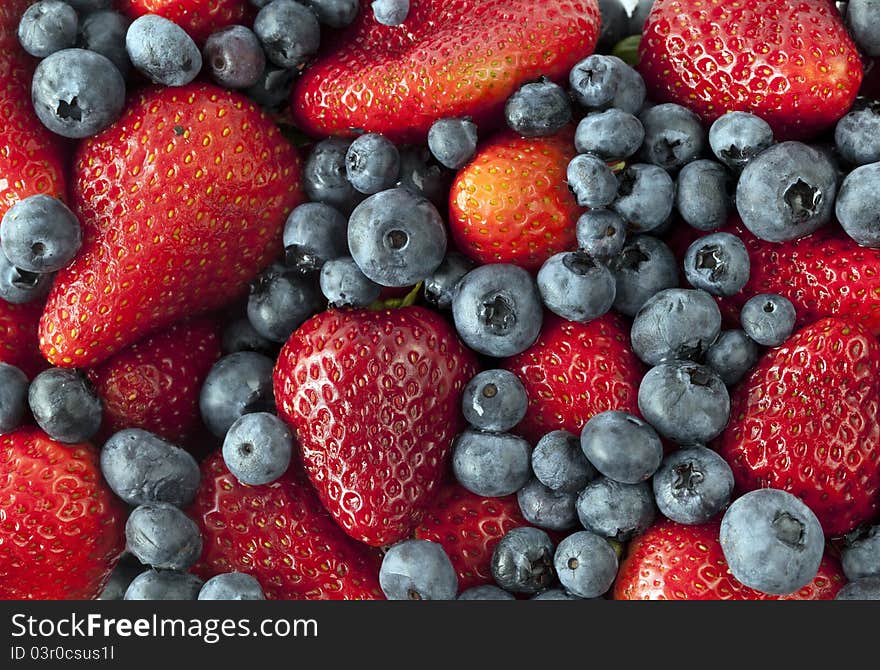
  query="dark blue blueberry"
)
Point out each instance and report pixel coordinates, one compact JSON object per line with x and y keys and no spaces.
{"x":162,"y":536}
{"x":614,"y":22}
{"x":334,"y":13}
{"x":591,"y":180}
{"x":862,"y":589}
{"x":768,"y":319}
{"x":554,"y":594}
{"x":675,"y":324}
{"x":485,"y":592}
{"x":257,"y":448}
{"x":234,"y":57}
{"x":238,"y":384}
{"x":857,"y":135}
{"x":491,"y":464}
{"x":372,"y":163}
{"x":453,"y":142}
{"x":440,"y":286}
{"x":19,"y":286}
{"x":77,"y":93}
{"x":164,"y":585}
{"x":280,"y":301}
{"x":858,"y":205}
{"x":685,"y":402}
{"x":586,"y":564}
{"x":610,"y":135}
{"x":737,"y":137}
{"x":162,"y":50}
{"x":621,"y":446}
{"x":497,"y":310}
{"x":324,"y":177}
{"x":645,"y":196}
{"x":104,"y":32}
{"x":314,"y":234}
{"x":600,"y":82}
{"x":397,"y":237}
{"x":272,"y":90}
{"x":559,"y":462}
{"x":786,"y":192}
{"x":390,"y":12}
{"x":546,"y":508}
{"x":241,"y":336}
{"x":644,"y":267}
{"x":693,"y":485}
{"x":47,"y":26}
{"x":232,"y":586}
{"x":601,"y":233}
{"x":732,"y":356}
{"x":344,"y":285}
{"x":863,"y":19}
{"x":13,"y":397}
{"x":494,"y":400}
{"x":615,"y":510}
{"x":703,"y":194}
{"x":40,"y":234}
{"x":861,"y":555}
{"x":289,"y":31}
{"x":65,"y":405}
{"x":417,"y":570}
{"x":772,"y":541}
{"x":674,"y":136}
{"x":89,"y":5}
{"x":421,"y":173}
{"x":522,"y":561}
{"x":143,"y":468}
{"x":718,"y":263}
{"x":576,"y":287}
{"x":538,"y":108}
{"x":122,"y":576}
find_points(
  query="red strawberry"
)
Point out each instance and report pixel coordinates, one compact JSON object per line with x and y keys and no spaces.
{"x":791,"y":62}
{"x":574,"y":371}
{"x":450,"y":58}
{"x":18,"y":337}
{"x":511,"y":203}
{"x":806,"y":420}
{"x":374,"y":398}
{"x":675,"y":562}
{"x":155,"y":383}
{"x":280,"y":534}
{"x":61,"y":528}
{"x":182,"y":203}
{"x":199,"y":18}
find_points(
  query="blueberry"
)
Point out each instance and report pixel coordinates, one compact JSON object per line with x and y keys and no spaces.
{"x":522,"y":561}
{"x":89,"y":5}
{"x":614,"y":22}
{"x":13,"y":397}
{"x":417,"y":570}
{"x":163,"y":537}
{"x":576,"y":287}
{"x":334,"y":13}
{"x":862,"y":589}
{"x":324,"y":177}
{"x":675,"y":323}
{"x":232,"y":586}
{"x":786,"y":192}
{"x":591,"y":180}
{"x":638,"y":16}
{"x":554,"y":594}
{"x":586,"y":564}
{"x":344,"y":285}
{"x":559,"y":462}
{"x":621,"y":446}
{"x":257,"y":448}
{"x":703,"y":194}
{"x":857,"y":135}
{"x":104,"y":32}
{"x":40,"y":234}
{"x":440,"y":286}
{"x":718,"y":263}
{"x":685,"y":402}
{"x":538,"y":109}
{"x":77,"y":93}
{"x":272,"y":90}
{"x":314,"y":234}
{"x":289,"y":32}
{"x":162,"y":50}
{"x":768,"y":319}
{"x":772,"y":541}
{"x":693,"y":485}
{"x":19,"y":286}
{"x":737,"y":137}
{"x":546,"y":508}
{"x":674,"y":136}
{"x":863,"y":19}
{"x":485,"y":592}
{"x":241,"y":336}
{"x":610,"y":135}
{"x":858,"y":204}
{"x":732,"y":356}
{"x":65,"y":405}
{"x":497,"y":310}
{"x":121,"y":578}
{"x":601,"y":234}
{"x":280,"y":301}
{"x":236,"y":385}
{"x":600,"y":82}
{"x":491,"y":464}
{"x":420,"y":173}
{"x":644,"y":267}
{"x":234,"y":57}
{"x":452,"y":141}
{"x":143,"y":468}
{"x":47,"y":26}
{"x":164,"y":585}
{"x":390,"y":12}
{"x":645,"y":195}
{"x":861,"y":555}
{"x":372,"y":163}
{"x":494,"y":400}
{"x":615,"y":510}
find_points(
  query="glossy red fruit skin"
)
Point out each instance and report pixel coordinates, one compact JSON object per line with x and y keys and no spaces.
{"x":18,"y":337}
{"x":806,"y":420}
{"x":282,"y":535}
{"x":61,"y":527}
{"x":374,"y":399}
{"x":199,"y":18}
{"x":671,"y":561}
{"x":450,"y":58}
{"x":511,"y":203}
{"x":791,"y":62}
{"x":182,"y":203}
{"x":575,"y":371}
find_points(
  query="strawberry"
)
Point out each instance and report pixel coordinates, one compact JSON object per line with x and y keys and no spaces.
{"x":791,"y":62}
{"x":199,"y":18}
{"x":449,"y":58}
{"x":280,"y":534}
{"x":18,"y":337}
{"x":574,"y":371}
{"x":374,"y":398}
{"x":806,"y":420}
{"x":182,"y":204}
{"x":511,"y":203}
{"x":61,"y":528}
{"x":671,"y":561}
{"x":155,"y":383}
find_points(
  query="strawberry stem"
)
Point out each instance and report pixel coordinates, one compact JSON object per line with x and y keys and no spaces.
{"x":627,"y":49}
{"x":393,"y":303}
